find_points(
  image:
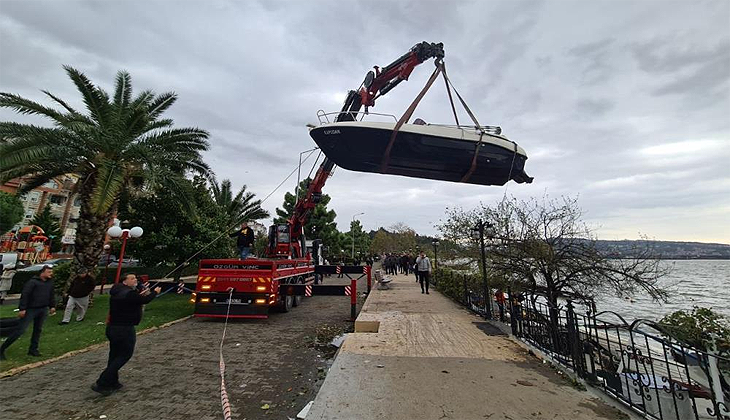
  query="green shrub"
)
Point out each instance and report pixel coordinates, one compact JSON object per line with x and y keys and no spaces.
{"x":697,"y":328}
{"x":451,"y":282}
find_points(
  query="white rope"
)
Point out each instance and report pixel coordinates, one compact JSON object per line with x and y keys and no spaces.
{"x":225,"y":404}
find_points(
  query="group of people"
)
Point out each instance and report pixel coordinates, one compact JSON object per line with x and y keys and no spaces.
{"x":126,"y":299}
{"x":38,"y":300}
{"x":406,"y":264}
{"x":399,"y":264}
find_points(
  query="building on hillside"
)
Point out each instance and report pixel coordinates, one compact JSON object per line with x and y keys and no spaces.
{"x":64,"y":203}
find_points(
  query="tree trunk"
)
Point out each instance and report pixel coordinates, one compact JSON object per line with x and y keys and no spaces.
{"x":555,"y":323}
{"x":90,"y":234}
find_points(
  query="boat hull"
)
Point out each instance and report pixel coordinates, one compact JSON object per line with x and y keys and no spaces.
{"x":420,"y":155}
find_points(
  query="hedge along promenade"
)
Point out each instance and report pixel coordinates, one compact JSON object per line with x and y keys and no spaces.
{"x":57,"y":340}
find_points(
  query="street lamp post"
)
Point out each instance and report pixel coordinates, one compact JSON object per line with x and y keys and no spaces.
{"x":480,"y":229}
{"x":124,"y":234}
{"x":352,"y":228}
{"x":108,"y":250}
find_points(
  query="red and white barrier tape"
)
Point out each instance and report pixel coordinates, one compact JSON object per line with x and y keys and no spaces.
{"x":222,"y":364}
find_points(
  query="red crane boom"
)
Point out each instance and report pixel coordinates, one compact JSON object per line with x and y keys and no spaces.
{"x":287,"y":240}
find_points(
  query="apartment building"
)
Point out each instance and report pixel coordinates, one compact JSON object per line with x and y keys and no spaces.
{"x":59,"y":194}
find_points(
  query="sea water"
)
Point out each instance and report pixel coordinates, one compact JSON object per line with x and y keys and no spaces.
{"x":704,"y":283}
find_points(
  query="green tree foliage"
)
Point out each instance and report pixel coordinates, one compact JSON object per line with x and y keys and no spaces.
{"x":398,"y":238}
{"x":698,"y":328}
{"x":362,"y":239}
{"x":321,"y":223}
{"x":121,"y":143}
{"x":173,"y":232}
{"x":49,"y":223}
{"x":243,"y":207}
{"x":11,"y":211}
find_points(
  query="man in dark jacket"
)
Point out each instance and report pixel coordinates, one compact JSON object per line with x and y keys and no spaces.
{"x":78,"y":296}
{"x":244,"y":240}
{"x":125,"y":311}
{"x":35,"y":302}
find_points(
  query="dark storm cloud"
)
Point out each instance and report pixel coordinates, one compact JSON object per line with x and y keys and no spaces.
{"x":594,"y":107}
{"x":624,"y":103}
{"x":595,"y":60}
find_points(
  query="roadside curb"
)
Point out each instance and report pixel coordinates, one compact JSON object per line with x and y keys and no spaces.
{"x":24,"y":368}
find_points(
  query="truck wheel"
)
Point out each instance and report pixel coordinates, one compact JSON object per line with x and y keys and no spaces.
{"x":286,"y":303}
{"x":297,"y":298}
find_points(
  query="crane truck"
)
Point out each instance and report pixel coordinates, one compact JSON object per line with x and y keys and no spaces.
{"x":250,"y":288}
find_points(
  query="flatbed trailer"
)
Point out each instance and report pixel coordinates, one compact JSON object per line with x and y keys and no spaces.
{"x":252,"y":285}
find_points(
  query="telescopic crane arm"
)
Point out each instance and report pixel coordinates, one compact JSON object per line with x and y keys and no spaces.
{"x":380,"y":81}
{"x":377,"y":83}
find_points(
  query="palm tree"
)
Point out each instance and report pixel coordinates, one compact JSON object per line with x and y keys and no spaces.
{"x":120,"y":145}
{"x":241,"y":208}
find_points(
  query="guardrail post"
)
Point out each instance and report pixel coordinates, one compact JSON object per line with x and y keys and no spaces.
{"x":368,"y":269}
{"x":576,"y":351}
{"x":353,"y":299}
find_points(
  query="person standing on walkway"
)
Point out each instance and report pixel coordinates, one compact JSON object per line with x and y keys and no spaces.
{"x":244,"y":240}
{"x":125,"y":311}
{"x":78,"y":296}
{"x":36,"y":300}
{"x":423,"y":265}
{"x":501,"y":300}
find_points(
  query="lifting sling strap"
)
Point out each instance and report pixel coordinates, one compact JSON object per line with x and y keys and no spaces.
{"x":406,"y":116}
{"x":440,"y":69}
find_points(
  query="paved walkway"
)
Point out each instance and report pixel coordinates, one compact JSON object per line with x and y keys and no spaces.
{"x":273,"y":370}
{"x":429,"y":359}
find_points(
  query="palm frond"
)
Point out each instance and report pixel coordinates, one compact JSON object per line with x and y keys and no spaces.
{"x":42,"y":176}
{"x":28,"y":107}
{"x":74,"y":115}
{"x":123,"y":93}
{"x":191,"y":136}
{"x":161,"y":103}
{"x":109,"y":181}
{"x":143,"y":99}
{"x":156,"y":125}
{"x":96,"y":100}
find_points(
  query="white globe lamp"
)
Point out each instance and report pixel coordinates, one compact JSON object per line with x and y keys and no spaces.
{"x":114,"y":232}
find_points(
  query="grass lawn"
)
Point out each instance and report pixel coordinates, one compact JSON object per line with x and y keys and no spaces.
{"x":59,"y":339}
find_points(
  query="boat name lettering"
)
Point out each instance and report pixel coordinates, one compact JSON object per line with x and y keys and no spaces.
{"x":331,"y":132}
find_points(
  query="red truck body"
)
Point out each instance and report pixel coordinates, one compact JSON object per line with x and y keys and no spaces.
{"x":255,"y":283}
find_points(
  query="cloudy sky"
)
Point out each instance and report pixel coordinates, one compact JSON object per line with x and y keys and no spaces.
{"x":626,"y":104}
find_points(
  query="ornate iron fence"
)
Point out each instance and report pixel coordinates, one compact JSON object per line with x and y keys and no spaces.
{"x":658,"y":377}
{"x":635,"y":363}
